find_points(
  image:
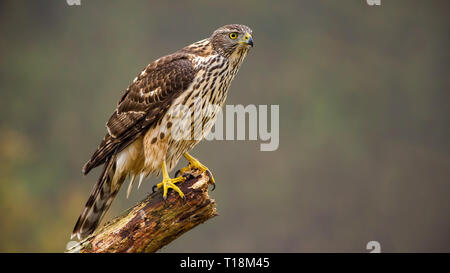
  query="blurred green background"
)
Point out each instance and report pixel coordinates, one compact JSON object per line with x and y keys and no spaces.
{"x":364,"y":120}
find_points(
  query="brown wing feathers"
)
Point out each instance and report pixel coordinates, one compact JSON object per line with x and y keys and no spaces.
{"x":144,"y":102}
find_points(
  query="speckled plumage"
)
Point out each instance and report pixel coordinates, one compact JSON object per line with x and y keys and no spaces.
{"x":170,"y":106}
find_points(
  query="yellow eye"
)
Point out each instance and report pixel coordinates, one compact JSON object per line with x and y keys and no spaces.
{"x":233,"y":35}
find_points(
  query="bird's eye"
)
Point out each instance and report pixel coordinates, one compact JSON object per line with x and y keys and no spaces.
{"x":233,"y":35}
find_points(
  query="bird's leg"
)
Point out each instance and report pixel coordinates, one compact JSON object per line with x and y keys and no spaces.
{"x":195,"y":164}
{"x":169,"y":182}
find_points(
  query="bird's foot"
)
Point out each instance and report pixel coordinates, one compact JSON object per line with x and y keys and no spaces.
{"x":195,"y":164}
{"x":169,"y":183}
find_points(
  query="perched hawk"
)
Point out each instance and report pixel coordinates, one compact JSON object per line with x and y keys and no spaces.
{"x":157,"y":119}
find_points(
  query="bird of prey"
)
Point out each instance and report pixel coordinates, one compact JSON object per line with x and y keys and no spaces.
{"x":156,"y":118}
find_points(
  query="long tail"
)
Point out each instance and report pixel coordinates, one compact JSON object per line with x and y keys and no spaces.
{"x":99,"y":201}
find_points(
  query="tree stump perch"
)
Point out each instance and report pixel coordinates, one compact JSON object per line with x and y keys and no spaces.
{"x":154,"y":222}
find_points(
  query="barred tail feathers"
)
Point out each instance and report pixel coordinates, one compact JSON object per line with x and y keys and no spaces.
{"x":102,"y":195}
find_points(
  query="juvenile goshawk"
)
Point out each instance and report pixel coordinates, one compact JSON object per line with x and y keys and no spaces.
{"x":158,"y":118}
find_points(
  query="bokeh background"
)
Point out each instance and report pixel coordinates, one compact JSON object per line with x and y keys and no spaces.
{"x":363,"y":91}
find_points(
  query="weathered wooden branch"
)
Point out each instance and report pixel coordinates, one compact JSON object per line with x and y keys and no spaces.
{"x":154,"y":222}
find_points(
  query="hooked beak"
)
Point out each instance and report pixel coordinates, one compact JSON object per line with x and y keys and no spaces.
{"x":247,"y":40}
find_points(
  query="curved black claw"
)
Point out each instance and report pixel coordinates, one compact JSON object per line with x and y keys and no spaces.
{"x":153,"y":188}
{"x":209,"y":174}
{"x":177,"y":173}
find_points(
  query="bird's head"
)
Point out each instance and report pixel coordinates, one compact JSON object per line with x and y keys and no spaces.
{"x":231,"y":39}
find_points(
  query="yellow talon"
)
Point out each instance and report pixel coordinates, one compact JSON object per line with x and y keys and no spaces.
{"x":169,"y":183}
{"x":195,"y":164}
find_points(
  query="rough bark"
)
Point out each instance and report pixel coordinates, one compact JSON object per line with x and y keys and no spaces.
{"x":154,"y":222}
